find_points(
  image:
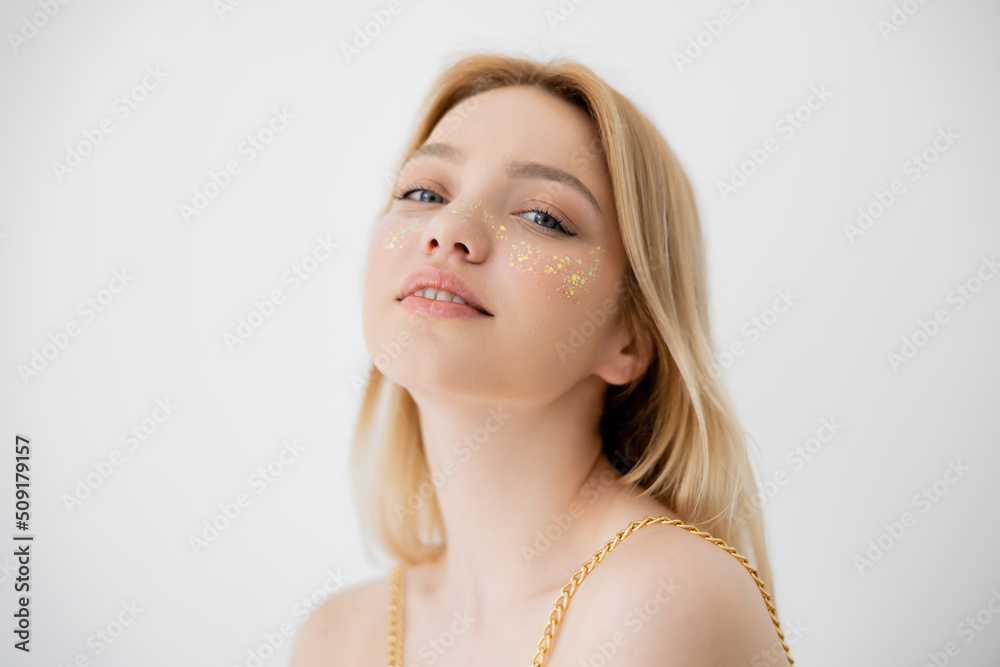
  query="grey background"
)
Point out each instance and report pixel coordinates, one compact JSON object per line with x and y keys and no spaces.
{"x":298,"y":376}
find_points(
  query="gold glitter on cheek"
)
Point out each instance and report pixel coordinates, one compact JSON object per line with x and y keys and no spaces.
{"x":524,"y":256}
{"x":571,"y":276}
{"x":576,"y":276}
{"x":396,"y":232}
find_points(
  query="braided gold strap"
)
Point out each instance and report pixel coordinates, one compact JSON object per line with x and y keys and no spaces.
{"x":556,"y":615}
{"x":396,"y":618}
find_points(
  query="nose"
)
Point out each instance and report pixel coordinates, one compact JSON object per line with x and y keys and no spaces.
{"x":457,"y":229}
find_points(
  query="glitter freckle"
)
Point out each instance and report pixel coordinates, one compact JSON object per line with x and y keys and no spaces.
{"x":574,"y":280}
{"x":397,"y":231}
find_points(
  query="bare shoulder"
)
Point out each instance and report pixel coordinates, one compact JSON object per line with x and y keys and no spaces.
{"x":666,"y":596}
{"x":343,"y":629}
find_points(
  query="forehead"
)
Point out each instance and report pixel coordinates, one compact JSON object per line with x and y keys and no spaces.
{"x":529,"y":123}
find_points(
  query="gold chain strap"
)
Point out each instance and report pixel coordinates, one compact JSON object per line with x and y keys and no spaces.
{"x":396,"y":618}
{"x":556,"y":615}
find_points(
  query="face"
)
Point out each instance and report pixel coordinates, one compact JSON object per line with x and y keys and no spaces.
{"x":511,"y":193}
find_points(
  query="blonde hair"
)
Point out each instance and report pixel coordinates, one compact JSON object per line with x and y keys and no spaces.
{"x":672,"y":431}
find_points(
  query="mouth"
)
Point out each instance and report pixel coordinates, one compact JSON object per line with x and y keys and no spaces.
{"x":439,"y":292}
{"x":425,"y":306}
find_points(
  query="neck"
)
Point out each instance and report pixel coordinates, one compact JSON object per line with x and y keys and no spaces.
{"x":521,"y":490}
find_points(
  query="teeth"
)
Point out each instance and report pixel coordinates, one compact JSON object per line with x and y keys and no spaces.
{"x":438,"y":295}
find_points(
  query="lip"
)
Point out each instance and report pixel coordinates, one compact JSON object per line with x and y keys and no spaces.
{"x":439,"y":279}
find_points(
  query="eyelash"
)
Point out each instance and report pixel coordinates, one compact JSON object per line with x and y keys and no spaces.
{"x":406,"y":192}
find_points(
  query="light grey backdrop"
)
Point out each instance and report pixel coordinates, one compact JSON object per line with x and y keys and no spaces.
{"x":866,"y":369}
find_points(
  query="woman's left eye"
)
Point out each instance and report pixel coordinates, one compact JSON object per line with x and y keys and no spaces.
{"x":406,"y":195}
{"x":545,"y":219}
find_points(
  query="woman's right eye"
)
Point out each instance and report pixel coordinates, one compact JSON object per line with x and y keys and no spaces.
{"x":424,"y":196}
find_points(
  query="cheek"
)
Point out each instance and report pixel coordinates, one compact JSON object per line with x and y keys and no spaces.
{"x":395,"y":233}
{"x":574,"y":276}
{"x":570,"y":277}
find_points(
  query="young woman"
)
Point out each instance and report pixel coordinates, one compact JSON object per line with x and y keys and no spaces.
{"x":536,"y":310}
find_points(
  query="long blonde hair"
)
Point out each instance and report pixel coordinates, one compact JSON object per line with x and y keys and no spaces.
{"x":672,"y":431}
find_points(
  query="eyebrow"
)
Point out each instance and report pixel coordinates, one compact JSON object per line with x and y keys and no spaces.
{"x":513,"y":168}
